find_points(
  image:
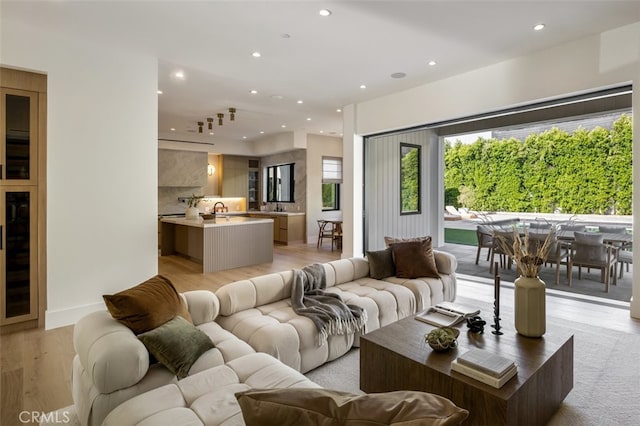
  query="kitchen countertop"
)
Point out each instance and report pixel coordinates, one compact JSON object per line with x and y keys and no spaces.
{"x":266,"y":213}
{"x":219,"y":221}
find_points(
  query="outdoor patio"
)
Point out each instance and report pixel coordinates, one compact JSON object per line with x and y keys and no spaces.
{"x":465,"y":253}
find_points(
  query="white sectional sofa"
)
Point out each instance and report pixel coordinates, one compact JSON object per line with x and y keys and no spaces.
{"x":258,"y":310}
{"x":112,"y":367}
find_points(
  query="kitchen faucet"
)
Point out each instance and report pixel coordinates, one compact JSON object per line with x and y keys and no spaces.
{"x":214,"y":208}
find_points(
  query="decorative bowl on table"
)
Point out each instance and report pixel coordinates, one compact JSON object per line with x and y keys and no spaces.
{"x":442,"y":338}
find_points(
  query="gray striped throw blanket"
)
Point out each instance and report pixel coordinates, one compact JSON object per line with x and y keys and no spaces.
{"x":330,"y":314}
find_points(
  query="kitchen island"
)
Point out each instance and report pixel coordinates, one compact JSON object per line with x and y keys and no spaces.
{"x":221,"y":243}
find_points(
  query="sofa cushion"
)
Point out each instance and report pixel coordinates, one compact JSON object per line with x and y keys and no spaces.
{"x":207,"y":397}
{"x":381,"y":264}
{"x":177,"y":344}
{"x":147,"y":305}
{"x":328,"y":407}
{"x":414,"y":259}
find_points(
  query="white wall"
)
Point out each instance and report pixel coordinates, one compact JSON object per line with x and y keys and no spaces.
{"x":318,"y":147}
{"x":101,"y":166}
{"x":598,"y":61}
{"x":603,"y":60}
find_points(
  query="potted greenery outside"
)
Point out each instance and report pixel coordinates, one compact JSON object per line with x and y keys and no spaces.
{"x":192,"y":211}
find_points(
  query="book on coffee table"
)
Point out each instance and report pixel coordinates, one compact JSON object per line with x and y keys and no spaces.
{"x":447,"y":314}
{"x":486,"y":362}
{"x":496,"y":382}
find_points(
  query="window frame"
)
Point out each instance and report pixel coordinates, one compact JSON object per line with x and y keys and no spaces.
{"x":336,"y":197}
{"x":273,"y":195}
{"x":418,"y":148}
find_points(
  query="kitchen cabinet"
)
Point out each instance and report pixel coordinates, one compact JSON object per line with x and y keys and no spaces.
{"x":235,"y":176}
{"x":287,"y":227}
{"x":22,"y":194}
{"x":241,"y":178}
{"x":253,"y":196}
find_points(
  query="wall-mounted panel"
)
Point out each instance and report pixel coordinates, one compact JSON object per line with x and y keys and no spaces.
{"x":182,"y":168}
{"x":382,"y":188}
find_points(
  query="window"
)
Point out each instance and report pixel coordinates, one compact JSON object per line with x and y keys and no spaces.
{"x":331,"y":180}
{"x":280,"y":183}
{"x":409,"y":179}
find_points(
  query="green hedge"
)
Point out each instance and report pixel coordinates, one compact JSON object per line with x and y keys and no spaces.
{"x":585,"y":172}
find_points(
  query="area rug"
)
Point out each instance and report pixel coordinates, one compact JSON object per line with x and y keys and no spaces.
{"x":606,"y":389}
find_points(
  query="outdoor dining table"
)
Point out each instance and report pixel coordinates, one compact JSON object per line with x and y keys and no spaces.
{"x":623,"y":239}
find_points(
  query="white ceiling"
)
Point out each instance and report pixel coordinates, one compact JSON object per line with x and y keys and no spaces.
{"x":323,"y":61}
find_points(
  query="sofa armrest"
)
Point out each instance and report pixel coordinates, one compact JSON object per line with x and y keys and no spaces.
{"x":446,"y":262}
{"x":203,"y":306}
{"x":109,"y":352}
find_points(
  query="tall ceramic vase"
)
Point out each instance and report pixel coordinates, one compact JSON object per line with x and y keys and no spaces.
{"x":530,"y":310}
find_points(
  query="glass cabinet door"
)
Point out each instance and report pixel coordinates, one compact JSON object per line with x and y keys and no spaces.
{"x":17,"y":255}
{"x":19,"y":137}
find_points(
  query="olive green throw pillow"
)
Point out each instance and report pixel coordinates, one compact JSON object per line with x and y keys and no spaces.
{"x":176,"y":344}
{"x":381,"y":264}
{"x":295,"y":406}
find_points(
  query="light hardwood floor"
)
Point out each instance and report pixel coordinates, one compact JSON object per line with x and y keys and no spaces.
{"x":36,"y":364}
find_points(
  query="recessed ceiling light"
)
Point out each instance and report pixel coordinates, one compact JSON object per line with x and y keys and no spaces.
{"x":262,"y":132}
{"x":308,"y":118}
{"x":432,"y":63}
{"x":538,"y":27}
{"x":300,"y":101}
{"x":211,"y":133}
{"x":244,"y":137}
{"x":173,"y":129}
{"x":283,"y":126}
{"x":362,"y":86}
{"x":338,"y":110}
{"x":254,"y":92}
{"x":398,"y":75}
{"x":256,"y":54}
{"x":159,"y":92}
{"x":179,"y":75}
{"x":325,"y":12}
{"x":321,"y":131}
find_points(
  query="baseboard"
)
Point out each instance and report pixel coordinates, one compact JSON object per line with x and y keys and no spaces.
{"x":69,"y":316}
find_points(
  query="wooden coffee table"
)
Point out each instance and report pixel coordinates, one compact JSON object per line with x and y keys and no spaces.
{"x":396,"y":357}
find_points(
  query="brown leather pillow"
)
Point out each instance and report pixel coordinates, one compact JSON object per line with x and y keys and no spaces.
{"x":147,"y":305}
{"x":326,"y":407}
{"x":414,"y":259}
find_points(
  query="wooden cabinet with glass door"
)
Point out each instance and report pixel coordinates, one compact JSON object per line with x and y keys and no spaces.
{"x":22,"y":186}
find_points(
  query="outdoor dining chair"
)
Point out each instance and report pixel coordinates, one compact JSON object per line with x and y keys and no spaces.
{"x":501,"y":239}
{"x":589,"y":250}
{"x":625,"y":258}
{"x":484,"y":234}
{"x":558,"y":253}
